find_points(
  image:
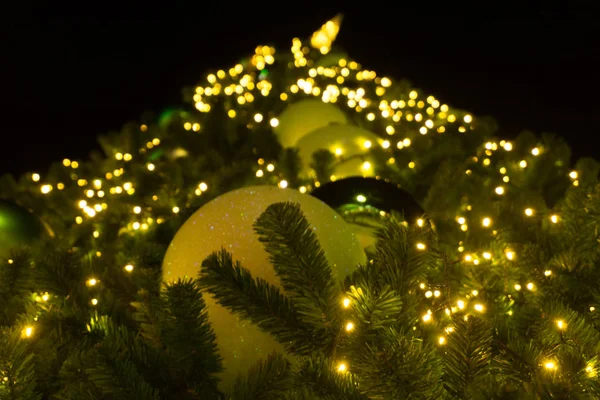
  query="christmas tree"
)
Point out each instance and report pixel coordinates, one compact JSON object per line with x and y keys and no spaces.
{"x":490,"y":294}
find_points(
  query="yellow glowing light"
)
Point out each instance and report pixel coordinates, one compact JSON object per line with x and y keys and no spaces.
{"x":517,"y":287}
{"x":529,"y":212}
{"x":592,"y":309}
{"x":500,"y":190}
{"x":547,"y":272}
{"x":151,"y":167}
{"x":428,"y":294}
{"x":461,"y":304}
{"x":366,"y":166}
{"x":361,"y":198}
{"x":474,"y":292}
{"x":94,"y":302}
{"x":554,"y":219}
{"x":573,"y":174}
{"x":27,"y":332}
{"x":437,"y":293}
{"x":508,"y":146}
{"x":338,"y":151}
{"x":422,"y":285}
{"x":486,"y":222}
{"x":346,"y":302}
{"x":551,"y":365}
{"x":367,"y":144}
{"x":302,"y":189}
{"x":270,"y":167}
{"x":137,"y":209}
{"x":35,"y":177}
{"x":479,"y":307}
{"x":385,"y":144}
{"x":349,"y":326}
{"x":260,"y":173}
{"x":561,"y":324}
{"x":535,"y":151}
{"x":427,"y":317}
{"x":175,"y":210}
{"x":283,"y":184}
{"x":421,"y":246}
{"x":530,"y":286}
{"x":258,"y":117}
{"x":92,"y":282}
{"x":420,"y":222}
{"x":461,"y":220}
{"x":487,"y":255}
{"x":342,"y":367}
{"x":510,"y":254}
{"x":45,"y":189}
{"x":128,"y":268}
{"x":442,"y":340}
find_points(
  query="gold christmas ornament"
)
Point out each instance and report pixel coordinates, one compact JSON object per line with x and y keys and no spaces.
{"x":227,"y":222}
{"x":350,"y":144}
{"x":304,"y":116}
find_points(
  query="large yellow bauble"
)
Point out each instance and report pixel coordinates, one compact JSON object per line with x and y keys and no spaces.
{"x":304,"y":116}
{"x":226,"y":222}
{"x":349,"y":143}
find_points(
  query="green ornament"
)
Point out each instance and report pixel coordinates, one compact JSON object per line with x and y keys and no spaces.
{"x":18,"y":227}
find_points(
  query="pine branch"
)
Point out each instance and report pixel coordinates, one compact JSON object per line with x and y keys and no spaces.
{"x":268,"y":379}
{"x":375,"y":309}
{"x":467,"y":355}
{"x":321,"y":378}
{"x":399,"y":262}
{"x":189,"y":338}
{"x":17,"y":367}
{"x":300,"y":263}
{"x":15,"y":287}
{"x":398,"y":367}
{"x":254,"y":299}
{"x":176,"y":323}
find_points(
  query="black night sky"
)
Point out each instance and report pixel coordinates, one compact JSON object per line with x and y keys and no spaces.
{"x":74,"y":74}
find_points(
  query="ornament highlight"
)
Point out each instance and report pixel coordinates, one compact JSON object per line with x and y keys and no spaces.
{"x":350,"y":145}
{"x":304,"y":116}
{"x":227,"y":222}
{"x":366,"y":202}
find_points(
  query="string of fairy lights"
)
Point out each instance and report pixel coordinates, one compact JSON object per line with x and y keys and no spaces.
{"x":347,"y":84}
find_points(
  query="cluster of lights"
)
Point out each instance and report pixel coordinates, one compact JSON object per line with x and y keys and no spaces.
{"x":330,"y":84}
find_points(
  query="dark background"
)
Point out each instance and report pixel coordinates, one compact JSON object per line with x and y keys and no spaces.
{"x":72,"y":74}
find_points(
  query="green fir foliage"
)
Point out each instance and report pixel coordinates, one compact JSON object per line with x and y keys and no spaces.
{"x":494,"y":294}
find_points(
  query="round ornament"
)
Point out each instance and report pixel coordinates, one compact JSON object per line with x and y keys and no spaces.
{"x":350,"y":144}
{"x":227,"y":222}
{"x":366,"y":202}
{"x":18,"y":227}
{"x":304,"y":116}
